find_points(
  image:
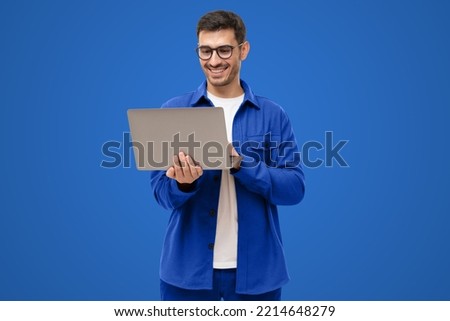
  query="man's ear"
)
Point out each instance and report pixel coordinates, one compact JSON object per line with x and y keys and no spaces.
{"x":245,"y":49}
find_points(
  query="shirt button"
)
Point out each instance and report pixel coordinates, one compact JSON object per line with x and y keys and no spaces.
{"x":211,"y":246}
{"x":212,"y":213}
{"x":216,"y":178}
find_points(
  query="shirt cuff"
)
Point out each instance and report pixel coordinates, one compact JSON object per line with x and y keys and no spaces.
{"x":176,"y":191}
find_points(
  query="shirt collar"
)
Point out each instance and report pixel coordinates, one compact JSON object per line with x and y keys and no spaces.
{"x":200,"y":96}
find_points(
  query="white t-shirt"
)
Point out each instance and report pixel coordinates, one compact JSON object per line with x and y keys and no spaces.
{"x":225,"y":245}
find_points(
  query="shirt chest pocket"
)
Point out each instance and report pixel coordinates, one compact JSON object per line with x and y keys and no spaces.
{"x":262,"y":148}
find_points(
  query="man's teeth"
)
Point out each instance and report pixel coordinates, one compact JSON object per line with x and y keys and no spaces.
{"x":217,"y":71}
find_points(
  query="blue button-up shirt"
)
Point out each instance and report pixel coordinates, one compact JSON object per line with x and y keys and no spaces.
{"x":270,"y":175}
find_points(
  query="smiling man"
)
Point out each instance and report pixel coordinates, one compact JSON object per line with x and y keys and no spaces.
{"x":222,"y":69}
{"x":223,"y":240}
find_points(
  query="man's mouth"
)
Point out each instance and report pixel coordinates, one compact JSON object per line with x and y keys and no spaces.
{"x":217,"y":71}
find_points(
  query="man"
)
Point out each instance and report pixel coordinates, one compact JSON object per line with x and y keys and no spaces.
{"x":223,"y":239}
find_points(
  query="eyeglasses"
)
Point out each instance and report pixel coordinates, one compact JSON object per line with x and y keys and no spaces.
{"x":224,"y":52}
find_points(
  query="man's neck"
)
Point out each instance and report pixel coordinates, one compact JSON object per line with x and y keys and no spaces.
{"x":228,"y":91}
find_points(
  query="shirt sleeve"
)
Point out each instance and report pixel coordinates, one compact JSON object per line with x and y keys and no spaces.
{"x":168,"y":194}
{"x":280,"y":181}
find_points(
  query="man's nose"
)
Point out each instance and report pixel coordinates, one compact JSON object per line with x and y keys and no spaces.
{"x":215,"y":59}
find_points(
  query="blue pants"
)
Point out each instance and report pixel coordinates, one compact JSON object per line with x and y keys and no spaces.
{"x":224,"y":288}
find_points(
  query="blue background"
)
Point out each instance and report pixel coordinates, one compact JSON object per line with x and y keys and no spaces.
{"x":375,"y":73}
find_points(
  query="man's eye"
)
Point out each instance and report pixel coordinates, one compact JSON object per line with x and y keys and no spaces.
{"x":224,"y":50}
{"x":206,"y":51}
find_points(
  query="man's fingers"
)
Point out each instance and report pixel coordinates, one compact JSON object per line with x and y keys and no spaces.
{"x":196,"y":169}
{"x":170,"y":172}
{"x":176,"y":161}
{"x":185,"y":165}
{"x":184,"y":169}
{"x":199,"y":170}
{"x":177,"y":166}
{"x":191,"y":165}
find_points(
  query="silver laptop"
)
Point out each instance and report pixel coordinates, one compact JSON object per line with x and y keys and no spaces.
{"x":160,"y":133}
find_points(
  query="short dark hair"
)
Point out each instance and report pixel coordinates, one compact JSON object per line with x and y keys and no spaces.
{"x":220,"y":20}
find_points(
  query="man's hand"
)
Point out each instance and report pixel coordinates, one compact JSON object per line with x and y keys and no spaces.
{"x":235,"y":159}
{"x":184,"y":170}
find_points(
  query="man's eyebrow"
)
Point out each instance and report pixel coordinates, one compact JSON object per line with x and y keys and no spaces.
{"x":199,"y":45}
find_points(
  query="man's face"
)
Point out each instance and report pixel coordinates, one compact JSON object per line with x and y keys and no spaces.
{"x":222,"y":72}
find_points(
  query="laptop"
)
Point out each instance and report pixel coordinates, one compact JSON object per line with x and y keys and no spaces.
{"x":160,"y":133}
